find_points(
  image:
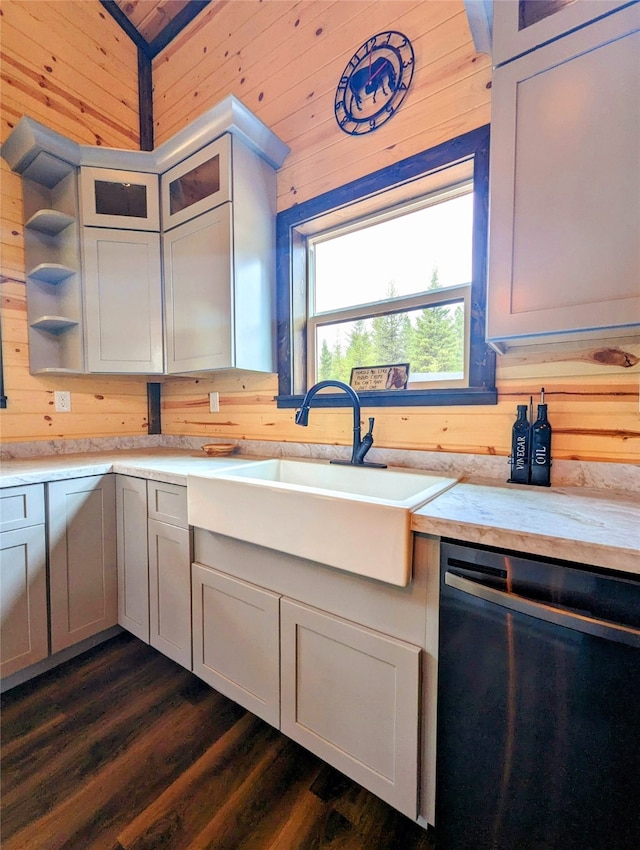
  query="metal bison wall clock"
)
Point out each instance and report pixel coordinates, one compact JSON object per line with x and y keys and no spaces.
{"x":374,"y":83}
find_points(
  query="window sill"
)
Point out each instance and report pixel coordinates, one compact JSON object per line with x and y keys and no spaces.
{"x":399,"y":398}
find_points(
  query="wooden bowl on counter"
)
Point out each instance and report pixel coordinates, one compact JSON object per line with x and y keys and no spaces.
{"x":219,"y":449}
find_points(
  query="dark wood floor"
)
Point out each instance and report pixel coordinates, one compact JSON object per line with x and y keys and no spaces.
{"x":121,"y":749}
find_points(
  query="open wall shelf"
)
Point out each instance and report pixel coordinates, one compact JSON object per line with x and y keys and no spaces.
{"x":57,"y":370}
{"x":53,"y":324}
{"x":50,"y":222}
{"x":51,"y":272}
{"x":52,"y":254}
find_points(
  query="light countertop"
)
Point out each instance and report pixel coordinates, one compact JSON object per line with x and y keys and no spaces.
{"x":597,"y":527}
{"x":170,"y":466}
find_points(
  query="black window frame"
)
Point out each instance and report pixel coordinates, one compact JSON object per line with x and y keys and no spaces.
{"x":291,"y":254}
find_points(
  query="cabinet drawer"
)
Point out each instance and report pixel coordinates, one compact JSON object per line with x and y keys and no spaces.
{"x":124,"y":199}
{"x":200,"y":183}
{"x":167,"y":503}
{"x":351,"y":696}
{"x":21,"y":506}
{"x":236,"y":640}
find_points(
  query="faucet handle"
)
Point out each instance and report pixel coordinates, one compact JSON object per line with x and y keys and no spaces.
{"x":302,"y":415}
{"x":366,"y":443}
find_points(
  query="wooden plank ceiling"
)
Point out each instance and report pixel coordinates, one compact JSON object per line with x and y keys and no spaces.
{"x":152,"y":24}
{"x":150,"y":17}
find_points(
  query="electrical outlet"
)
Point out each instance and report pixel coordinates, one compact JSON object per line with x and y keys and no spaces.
{"x":214,"y":403}
{"x":62,"y":401}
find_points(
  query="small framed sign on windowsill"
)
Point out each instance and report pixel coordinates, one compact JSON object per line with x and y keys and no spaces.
{"x":392,"y":377}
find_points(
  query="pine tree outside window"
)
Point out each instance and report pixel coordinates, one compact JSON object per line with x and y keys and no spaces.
{"x":391,"y":269}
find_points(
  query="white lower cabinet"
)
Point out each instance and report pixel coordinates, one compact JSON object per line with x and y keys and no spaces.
{"x":351,"y":696}
{"x":154,"y":565}
{"x":236,"y":637}
{"x":133,"y":557}
{"x":346,"y":692}
{"x":24,"y":636}
{"x":82,"y":558}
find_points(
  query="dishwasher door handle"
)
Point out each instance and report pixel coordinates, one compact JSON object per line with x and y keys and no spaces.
{"x":541,"y":611}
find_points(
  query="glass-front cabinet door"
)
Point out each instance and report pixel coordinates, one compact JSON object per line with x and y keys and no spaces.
{"x":200,"y":183}
{"x":521,"y":25}
{"x":122,"y":199}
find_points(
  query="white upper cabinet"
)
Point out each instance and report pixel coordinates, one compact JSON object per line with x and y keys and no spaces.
{"x":199,"y":184}
{"x":564,"y":253}
{"x":122,"y":199}
{"x":198,"y":307}
{"x":220,"y":298}
{"x":522,"y":25}
{"x":219,"y":273}
{"x":123,"y":301}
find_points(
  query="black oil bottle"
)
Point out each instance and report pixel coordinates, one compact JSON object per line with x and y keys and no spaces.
{"x":520,"y":447}
{"x":541,"y":447}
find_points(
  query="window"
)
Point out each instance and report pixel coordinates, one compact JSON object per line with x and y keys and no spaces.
{"x":391,"y":269}
{"x":392,"y":289}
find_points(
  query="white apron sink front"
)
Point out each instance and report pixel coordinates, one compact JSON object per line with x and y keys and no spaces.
{"x":351,"y":517}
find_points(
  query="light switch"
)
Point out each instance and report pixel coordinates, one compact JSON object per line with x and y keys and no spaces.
{"x":214,"y":403}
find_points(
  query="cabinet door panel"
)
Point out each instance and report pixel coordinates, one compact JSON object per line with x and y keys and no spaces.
{"x":351,"y":696}
{"x":23,"y":597}
{"x":236,"y":641}
{"x":200,"y":183}
{"x":170,"y":591}
{"x":122,"y":199}
{"x":197,"y":270}
{"x":565,"y":209}
{"x":123,"y":286}
{"x":133,"y":561}
{"x":82,"y":558}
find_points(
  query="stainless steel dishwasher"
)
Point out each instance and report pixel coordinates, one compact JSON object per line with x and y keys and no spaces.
{"x":538,"y":743}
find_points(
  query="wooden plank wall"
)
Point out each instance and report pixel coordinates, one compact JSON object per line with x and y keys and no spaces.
{"x":69,"y":66}
{"x":283,"y":60}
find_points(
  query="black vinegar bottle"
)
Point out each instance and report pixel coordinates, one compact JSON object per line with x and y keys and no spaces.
{"x":520,"y":447}
{"x":541,"y":447}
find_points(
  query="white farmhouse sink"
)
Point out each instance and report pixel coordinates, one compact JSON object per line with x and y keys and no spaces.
{"x":350,"y":517}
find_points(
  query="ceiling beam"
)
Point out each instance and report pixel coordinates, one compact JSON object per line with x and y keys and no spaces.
{"x":147,"y":51}
{"x":166,"y":35}
{"x":119,"y":16}
{"x":176,"y":25}
{"x":145,"y":101}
